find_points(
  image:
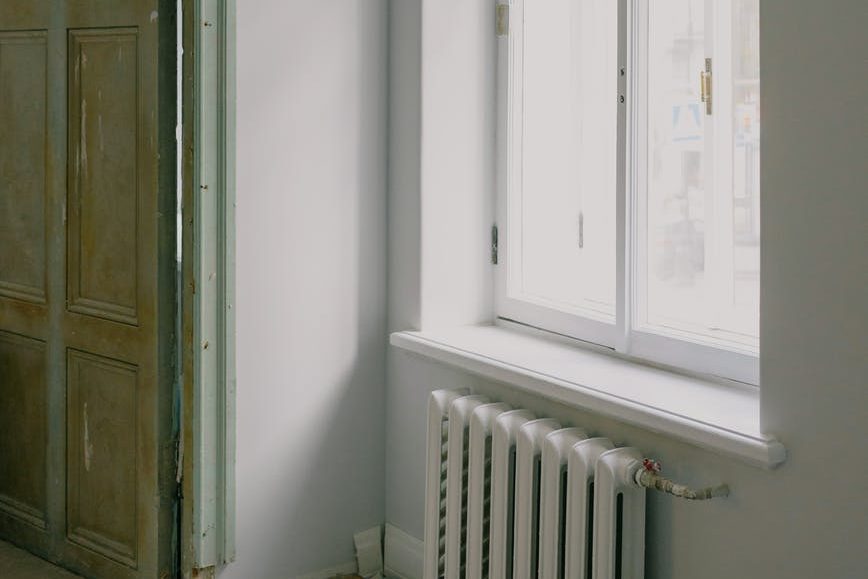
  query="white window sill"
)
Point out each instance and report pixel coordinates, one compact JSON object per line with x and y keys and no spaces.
{"x":724,"y":418}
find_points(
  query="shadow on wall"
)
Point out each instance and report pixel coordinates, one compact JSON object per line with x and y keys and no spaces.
{"x":310,"y":283}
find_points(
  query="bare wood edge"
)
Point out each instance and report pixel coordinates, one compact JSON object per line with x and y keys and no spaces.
{"x":185,"y":466}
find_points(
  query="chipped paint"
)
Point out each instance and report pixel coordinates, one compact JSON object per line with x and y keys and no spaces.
{"x":154,"y":16}
{"x":88,"y":445}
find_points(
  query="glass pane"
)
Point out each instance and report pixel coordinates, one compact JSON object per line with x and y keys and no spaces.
{"x":676,"y":190}
{"x":563,"y":161}
{"x":699,"y":204}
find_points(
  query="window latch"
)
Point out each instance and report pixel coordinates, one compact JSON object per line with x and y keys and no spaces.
{"x":705,"y":86}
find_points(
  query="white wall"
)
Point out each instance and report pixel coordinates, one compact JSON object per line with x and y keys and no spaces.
{"x":456,"y":164}
{"x":311,"y":311}
{"x":809,"y":518}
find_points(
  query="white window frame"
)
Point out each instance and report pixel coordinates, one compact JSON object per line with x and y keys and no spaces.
{"x":677,"y":349}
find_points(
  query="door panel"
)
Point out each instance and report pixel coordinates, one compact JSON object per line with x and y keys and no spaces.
{"x":87,"y":284}
{"x":102,"y":450}
{"x":103,"y":209}
{"x":22,"y":205}
{"x":23,"y":405}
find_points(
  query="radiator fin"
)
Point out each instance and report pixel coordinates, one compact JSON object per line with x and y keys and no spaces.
{"x":510,"y":516}
{"x":486,"y":509}
{"x":581,"y":461}
{"x":562,"y":523}
{"x":444,"y":471}
{"x":556,"y":448}
{"x":530,"y":440}
{"x":436,"y":478}
{"x":618,"y":554}
{"x":465,"y":460}
{"x":457,"y":484}
{"x":479,"y":489}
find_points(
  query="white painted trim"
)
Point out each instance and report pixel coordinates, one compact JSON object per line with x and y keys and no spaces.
{"x":404,"y":554}
{"x":369,"y":551}
{"x":342,"y":569}
{"x":721,"y":417}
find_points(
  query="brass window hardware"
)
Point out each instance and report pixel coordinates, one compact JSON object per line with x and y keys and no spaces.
{"x":502,"y":20}
{"x":705,"y":86}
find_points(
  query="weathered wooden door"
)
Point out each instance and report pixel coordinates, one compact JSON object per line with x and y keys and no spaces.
{"x":87,"y":288}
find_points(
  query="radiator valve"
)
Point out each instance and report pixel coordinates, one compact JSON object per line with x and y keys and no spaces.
{"x":648,"y":476}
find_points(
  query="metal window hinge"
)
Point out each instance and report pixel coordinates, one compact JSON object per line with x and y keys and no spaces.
{"x":502,"y":19}
{"x":705,"y":86}
{"x":494,"y":244}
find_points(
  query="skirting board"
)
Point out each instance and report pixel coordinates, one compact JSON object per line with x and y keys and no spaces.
{"x":343,"y":569}
{"x":404,"y":554}
{"x":403,"y":558}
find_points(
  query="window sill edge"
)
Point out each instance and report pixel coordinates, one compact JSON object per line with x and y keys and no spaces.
{"x":488,"y":351}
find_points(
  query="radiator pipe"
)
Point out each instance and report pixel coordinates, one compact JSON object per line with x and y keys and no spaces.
{"x":647,"y":476}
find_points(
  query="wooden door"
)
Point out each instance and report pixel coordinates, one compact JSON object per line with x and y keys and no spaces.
{"x":87,"y":283}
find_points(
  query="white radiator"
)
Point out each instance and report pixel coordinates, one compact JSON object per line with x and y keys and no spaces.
{"x":510,"y":495}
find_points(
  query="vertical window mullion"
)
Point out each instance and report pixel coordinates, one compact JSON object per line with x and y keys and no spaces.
{"x":721,"y":155}
{"x":623,"y":213}
{"x":636,"y":147}
{"x":714,"y":278}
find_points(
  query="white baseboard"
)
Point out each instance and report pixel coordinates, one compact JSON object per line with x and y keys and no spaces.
{"x":404,"y":554}
{"x":403,"y":558}
{"x":343,"y":569}
{"x":369,"y":551}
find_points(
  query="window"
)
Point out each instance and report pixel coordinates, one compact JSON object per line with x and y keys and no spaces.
{"x":628,"y":193}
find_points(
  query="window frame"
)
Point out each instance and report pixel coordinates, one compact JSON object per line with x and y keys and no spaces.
{"x":624,"y":334}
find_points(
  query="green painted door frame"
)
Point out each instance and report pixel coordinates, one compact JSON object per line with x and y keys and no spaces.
{"x":208,"y":271}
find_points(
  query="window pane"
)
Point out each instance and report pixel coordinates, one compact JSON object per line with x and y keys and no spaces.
{"x":699,"y":203}
{"x":563,"y":139}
